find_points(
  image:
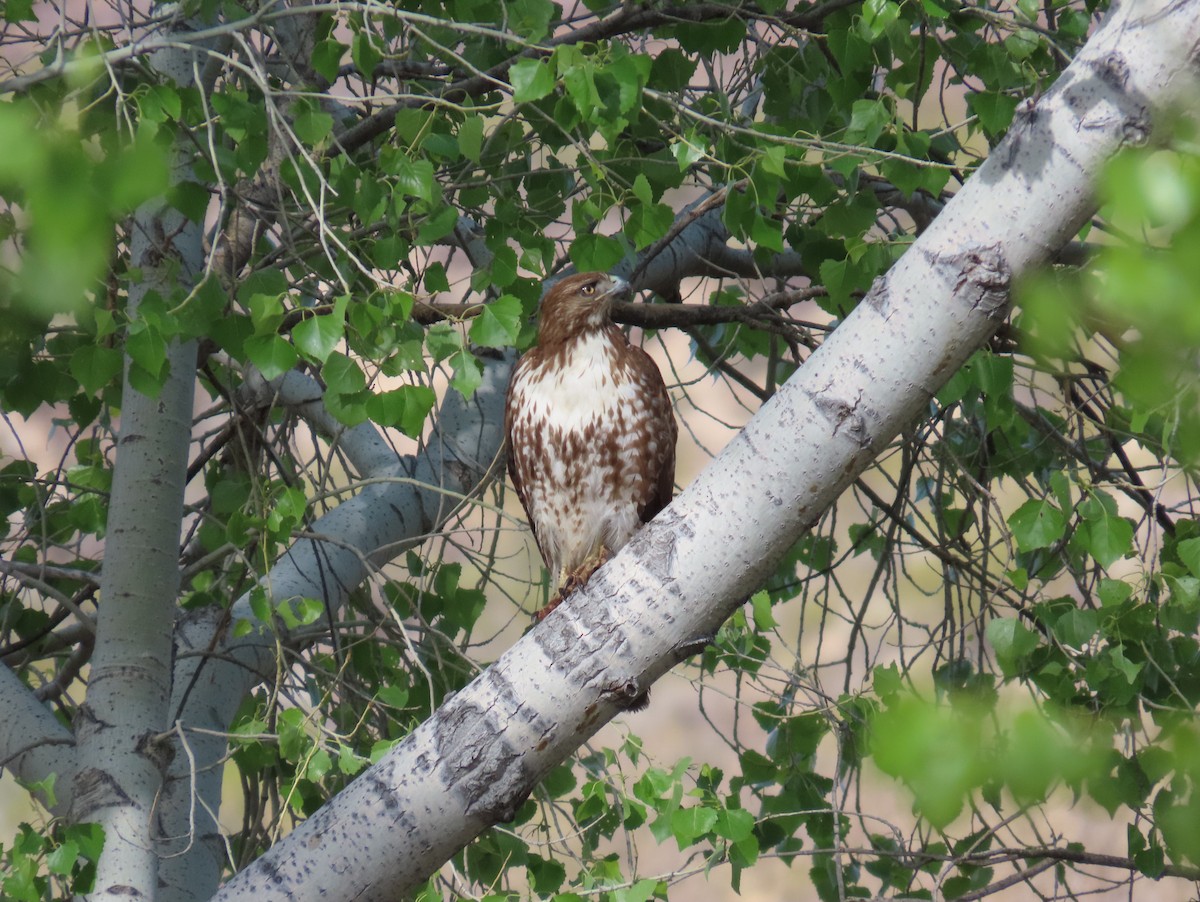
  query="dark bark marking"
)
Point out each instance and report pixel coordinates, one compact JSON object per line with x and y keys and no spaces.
{"x":1113,"y":70}
{"x":95,"y":789}
{"x":657,"y":546}
{"x":155,"y":749}
{"x":844,"y":418}
{"x":480,"y":763}
{"x":879,"y":297}
{"x":984,"y":279}
{"x":383,"y":790}
{"x":270,"y":871}
{"x":628,"y":696}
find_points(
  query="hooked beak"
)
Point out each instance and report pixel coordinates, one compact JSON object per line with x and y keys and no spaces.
{"x":620,"y":291}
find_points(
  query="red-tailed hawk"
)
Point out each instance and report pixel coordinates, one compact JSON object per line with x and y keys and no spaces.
{"x":591,"y":434}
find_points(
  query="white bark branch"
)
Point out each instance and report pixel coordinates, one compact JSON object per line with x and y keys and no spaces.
{"x":364,"y":445}
{"x":33,"y":744}
{"x":478,"y":757}
{"x":121,"y":763}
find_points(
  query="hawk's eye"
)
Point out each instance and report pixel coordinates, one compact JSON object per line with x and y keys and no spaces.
{"x":588,"y":290}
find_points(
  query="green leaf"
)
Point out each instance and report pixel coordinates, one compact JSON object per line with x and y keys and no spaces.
{"x":405,"y":408}
{"x":470,"y":138}
{"x":309,"y":610}
{"x":318,"y":335}
{"x":147,"y":349}
{"x":348,"y":761}
{"x":313,"y":125}
{"x":579,"y":80}
{"x":596,"y":253}
{"x":529,"y":18}
{"x":1114,"y":592}
{"x":190,"y":199}
{"x":1128,"y":669}
{"x":689,"y":151}
{"x":690,"y":824}
{"x":437,"y":226}
{"x":1037,"y":524}
{"x":342,"y":375}
{"x":88,"y":838}
{"x":1189,"y":552}
{"x":260,"y":605}
{"x":1012,"y":642}
{"x":62,"y":860}
{"x":842,"y":278}
{"x":671,"y":69}
{"x":995,"y":111}
{"x":468,"y":373}
{"x":18,"y":11}
{"x":531,"y":80}
{"x":934,"y":750}
{"x":1076,"y":628}
{"x":1107,"y":538}
{"x":366,"y":57}
{"x":319,"y":764}
{"x":548,"y":876}
{"x":442,"y":340}
{"x":761,"y":604}
{"x":642,"y":891}
{"x":272,"y":354}
{"x":95,"y":366}
{"x":415,"y":178}
{"x":498,"y":323}
{"x":733,"y":824}
{"x":648,"y":222}
{"x":877,"y":15}
{"x":293,"y":740}
{"x":868,"y":119}
{"x":327,"y":58}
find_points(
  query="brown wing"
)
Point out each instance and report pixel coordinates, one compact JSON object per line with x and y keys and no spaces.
{"x":520,"y":438}
{"x":665,"y":430}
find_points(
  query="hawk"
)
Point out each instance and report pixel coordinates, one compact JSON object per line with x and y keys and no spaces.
{"x":591,"y":434}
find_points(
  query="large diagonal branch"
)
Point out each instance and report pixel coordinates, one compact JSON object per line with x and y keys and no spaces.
{"x":475,"y":760}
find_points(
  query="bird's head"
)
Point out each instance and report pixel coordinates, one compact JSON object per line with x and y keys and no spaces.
{"x":577,"y":304}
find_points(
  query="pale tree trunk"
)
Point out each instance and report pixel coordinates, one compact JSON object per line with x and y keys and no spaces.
{"x":475,"y":761}
{"x":122,"y":753}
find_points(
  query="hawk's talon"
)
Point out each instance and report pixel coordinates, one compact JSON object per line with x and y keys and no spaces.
{"x":541,"y":615}
{"x":628,"y":696}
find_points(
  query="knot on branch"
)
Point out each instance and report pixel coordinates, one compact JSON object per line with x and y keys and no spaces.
{"x":844,"y":418}
{"x":984,"y":280}
{"x":1112,"y":70}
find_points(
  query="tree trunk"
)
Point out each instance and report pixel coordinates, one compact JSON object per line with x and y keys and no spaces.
{"x":478,"y":757}
{"x":122,"y":755}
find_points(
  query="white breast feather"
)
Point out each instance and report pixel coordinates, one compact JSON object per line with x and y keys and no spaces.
{"x":581,"y":391}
